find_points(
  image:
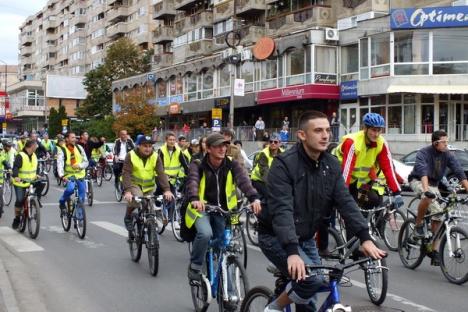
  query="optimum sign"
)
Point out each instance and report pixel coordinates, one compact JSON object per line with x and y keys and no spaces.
{"x":435,"y":17}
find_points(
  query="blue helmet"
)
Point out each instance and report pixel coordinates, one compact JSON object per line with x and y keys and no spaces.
{"x":374,"y":120}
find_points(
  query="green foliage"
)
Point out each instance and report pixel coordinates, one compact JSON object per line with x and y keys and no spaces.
{"x":99,"y":98}
{"x":55,"y":120}
{"x":96,"y":127}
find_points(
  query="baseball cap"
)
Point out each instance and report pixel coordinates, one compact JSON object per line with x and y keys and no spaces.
{"x":142,"y":139}
{"x":216,"y":139}
{"x":194,"y":142}
{"x":182,"y":137}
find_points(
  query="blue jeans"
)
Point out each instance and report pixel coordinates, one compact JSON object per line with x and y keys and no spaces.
{"x":209,"y":226}
{"x":70,"y":189}
{"x":302,"y":293}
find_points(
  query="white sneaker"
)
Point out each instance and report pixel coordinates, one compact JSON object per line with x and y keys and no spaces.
{"x":176,"y":225}
{"x":267,"y":309}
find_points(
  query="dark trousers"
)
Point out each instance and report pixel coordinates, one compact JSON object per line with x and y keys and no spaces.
{"x":20,"y":193}
{"x":117,"y":167}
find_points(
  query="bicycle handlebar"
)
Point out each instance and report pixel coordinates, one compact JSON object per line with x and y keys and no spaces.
{"x":214,"y":208}
{"x":337,"y":267}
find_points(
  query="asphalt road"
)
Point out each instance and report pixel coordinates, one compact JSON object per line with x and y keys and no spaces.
{"x":96,"y":274}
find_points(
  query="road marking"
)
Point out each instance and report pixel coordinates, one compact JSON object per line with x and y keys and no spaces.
{"x":18,"y":241}
{"x":114,"y":228}
{"x":72,"y":236}
{"x":95,"y":202}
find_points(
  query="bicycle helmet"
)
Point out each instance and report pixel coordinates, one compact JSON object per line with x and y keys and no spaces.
{"x":373,"y":120}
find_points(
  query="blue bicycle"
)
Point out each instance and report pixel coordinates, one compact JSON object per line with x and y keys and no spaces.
{"x":224,"y":277}
{"x":259,"y":297}
{"x":76,"y":211}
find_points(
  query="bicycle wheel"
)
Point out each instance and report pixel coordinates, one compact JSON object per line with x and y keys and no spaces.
{"x":80,"y":220}
{"x":238,"y":236}
{"x":376,"y":277}
{"x":108,"y":172}
{"x":200,"y":291}
{"x":152,"y":246}
{"x":251,"y":225}
{"x":118,"y":192}
{"x":135,"y":244}
{"x":34,"y":218}
{"x":162,"y":219}
{"x":176,"y":219}
{"x":411,"y":253}
{"x":391,"y":229}
{"x":257,"y":299}
{"x":7,"y":193}
{"x":90,"y":192}
{"x":66,"y":218}
{"x":455,"y":266}
{"x":335,"y":242}
{"x":46,"y":183}
{"x":99,"y":175}
{"x":237,"y":286}
{"x":413,"y":204}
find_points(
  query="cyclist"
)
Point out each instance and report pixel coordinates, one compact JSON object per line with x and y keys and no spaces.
{"x":71,"y":163}
{"x":140,"y":170}
{"x":11,"y":152}
{"x":24,"y":173}
{"x":4,"y":165}
{"x":48,"y":144}
{"x":41,"y":151}
{"x":183,"y":145}
{"x":213,"y":181}
{"x":122,"y":146}
{"x":304,"y":184}
{"x":359,"y":152}
{"x":429,"y":169}
{"x":88,"y":144}
{"x":263,"y":162}
{"x":21,"y":142}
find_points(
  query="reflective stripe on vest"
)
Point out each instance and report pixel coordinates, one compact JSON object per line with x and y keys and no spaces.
{"x":365,"y":157}
{"x":27,"y":172}
{"x":143,"y":174}
{"x":192,"y":214}
{"x":69,"y":171}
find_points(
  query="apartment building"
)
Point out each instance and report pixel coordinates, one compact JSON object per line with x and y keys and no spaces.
{"x":69,"y":38}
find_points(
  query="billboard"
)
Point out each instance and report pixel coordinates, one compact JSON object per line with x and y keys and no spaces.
{"x":65,"y":87}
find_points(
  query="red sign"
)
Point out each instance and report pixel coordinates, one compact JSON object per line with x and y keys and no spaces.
{"x":310,"y":91}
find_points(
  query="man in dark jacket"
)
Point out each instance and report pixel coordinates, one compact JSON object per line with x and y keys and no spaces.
{"x":122,"y":146}
{"x":303,"y":184}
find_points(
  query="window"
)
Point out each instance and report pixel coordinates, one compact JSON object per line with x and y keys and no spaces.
{"x":325,"y":60}
{"x":191,"y":86}
{"x":450,"y":53}
{"x":411,"y":47}
{"x":162,"y":89}
{"x":364,"y":58}
{"x":268,"y":74}
{"x":380,"y":55}
{"x":295,"y":67}
{"x":349,"y":62}
{"x":207,"y":84}
{"x":394,"y":119}
{"x":222,"y":27}
{"x":427,"y":113}
{"x":247,"y":73}
{"x":224,"y":80}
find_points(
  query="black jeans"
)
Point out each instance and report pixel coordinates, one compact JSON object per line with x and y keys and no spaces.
{"x":117,"y":167}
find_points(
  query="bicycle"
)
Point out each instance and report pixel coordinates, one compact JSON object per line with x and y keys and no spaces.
{"x":453,"y":246}
{"x":74,"y":210}
{"x":31,"y":212}
{"x":41,"y":163}
{"x":107,"y":171}
{"x":223,"y":278}
{"x":170,"y":212}
{"x":145,"y":231}
{"x":96,"y":173}
{"x":118,"y":190}
{"x":7,"y":187}
{"x":89,"y":187}
{"x":176,"y":215}
{"x":259,"y":297}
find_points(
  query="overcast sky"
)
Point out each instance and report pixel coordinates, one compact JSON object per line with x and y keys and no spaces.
{"x":12,"y":15}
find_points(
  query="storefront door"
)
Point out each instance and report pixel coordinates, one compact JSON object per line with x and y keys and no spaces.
{"x":348,"y":118}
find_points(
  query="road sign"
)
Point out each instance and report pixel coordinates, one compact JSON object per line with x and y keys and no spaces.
{"x":216,"y":113}
{"x":216,"y":124}
{"x":64,"y":122}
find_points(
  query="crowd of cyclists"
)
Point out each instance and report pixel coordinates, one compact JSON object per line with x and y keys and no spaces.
{"x":292,"y":192}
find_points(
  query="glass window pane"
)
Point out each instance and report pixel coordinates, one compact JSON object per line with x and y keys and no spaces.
{"x":378,"y":100}
{"x":380,"y":110}
{"x":450,"y":45}
{"x":394,"y":98}
{"x":161,"y":88}
{"x":410,"y":119}
{"x":247,"y":71}
{"x":412,"y":69}
{"x":224,"y":77}
{"x":411,"y":46}
{"x":208,"y":80}
{"x":296,"y":61}
{"x":349,"y":59}
{"x":394,"y":120}
{"x":443,"y":116}
{"x":427,"y":115}
{"x":364,"y":52}
{"x":451,"y":68}
{"x":325,"y":60}
{"x":380,"y":49}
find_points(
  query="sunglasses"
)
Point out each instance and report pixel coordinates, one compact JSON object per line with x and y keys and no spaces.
{"x":274,"y":142}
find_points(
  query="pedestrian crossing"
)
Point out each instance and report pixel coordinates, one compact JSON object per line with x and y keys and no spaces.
{"x":18,"y":241}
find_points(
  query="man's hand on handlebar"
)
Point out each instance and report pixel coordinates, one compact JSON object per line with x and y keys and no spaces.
{"x":199,"y":205}
{"x":256,"y":206}
{"x":370,"y":250}
{"x":128,"y":196}
{"x":168,"y":196}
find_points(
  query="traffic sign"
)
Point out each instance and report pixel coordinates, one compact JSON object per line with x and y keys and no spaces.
{"x":216,"y":113}
{"x":216,"y":124}
{"x":64,"y":122}
{"x":151,"y":77}
{"x":239,"y":87}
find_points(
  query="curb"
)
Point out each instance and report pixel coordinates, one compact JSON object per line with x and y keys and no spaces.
{"x":7,"y":295}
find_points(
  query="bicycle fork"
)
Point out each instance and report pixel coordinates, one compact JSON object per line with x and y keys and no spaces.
{"x":448,"y":230}
{"x":227,"y":280}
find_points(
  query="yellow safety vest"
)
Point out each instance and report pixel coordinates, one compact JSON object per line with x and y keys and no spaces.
{"x":99,"y":152}
{"x":3,"y":157}
{"x":27,"y":172}
{"x":365,"y":157}
{"x":231,"y":197}
{"x":172,"y":165}
{"x":187,"y":155}
{"x":47,"y":145}
{"x":255,"y":175}
{"x":69,"y":171}
{"x":143,"y":174}
{"x":20,"y":146}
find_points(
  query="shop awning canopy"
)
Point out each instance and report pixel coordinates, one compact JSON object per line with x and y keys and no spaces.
{"x":429,"y":89}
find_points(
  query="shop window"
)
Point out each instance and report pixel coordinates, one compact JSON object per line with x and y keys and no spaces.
{"x":450,"y":55}
{"x":443,"y":116}
{"x":427,"y":115}
{"x":411,"y":51}
{"x":224,"y":81}
{"x":207,"y":84}
{"x":162,"y":92}
{"x":364,"y":59}
{"x":295,"y":67}
{"x":247,"y":73}
{"x":349,"y":62}
{"x":191,"y":87}
{"x":380,"y":55}
{"x":409,"y":114}
{"x":394,"y":120}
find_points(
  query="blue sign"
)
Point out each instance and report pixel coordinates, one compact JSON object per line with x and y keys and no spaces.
{"x":216,"y":124}
{"x":435,"y":17}
{"x":151,"y":77}
{"x":164,"y":101}
{"x":349,"y":90}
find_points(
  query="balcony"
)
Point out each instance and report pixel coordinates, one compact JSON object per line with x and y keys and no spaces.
{"x":116,"y":14}
{"x":162,"y":60}
{"x":250,"y":34}
{"x":26,"y":51}
{"x":142,"y":38}
{"x":179,"y":27}
{"x":164,"y":9}
{"x":163,"y":34}
{"x":250,"y":7}
{"x":184,"y":5}
{"x":27,"y":110}
{"x":80,"y":32}
{"x":198,"y":48}
{"x":50,"y":23}
{"x":52,"y":35}
{"x":116,"y":30}
{"x":79,"y":19}
{"x":201,"y":19}
{"x":309,"y":16}
{"x":50,"y":49}
{"x":223,"y":11}
{"x":27,"y":39}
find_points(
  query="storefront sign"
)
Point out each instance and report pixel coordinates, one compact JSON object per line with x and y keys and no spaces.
{"x":222,"y":102}
{"x":264,"y":48}
{"x":164,"y":101}
{"x":349,"y":90}
{"x":310,"y":91}
{"x":216,"y":113}
{"x":431,"y":17}
{"x":239,"y":87}
{"x":325,"y":78}
{"x":174,"y":109}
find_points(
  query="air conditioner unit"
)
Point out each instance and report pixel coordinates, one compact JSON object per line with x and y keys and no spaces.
{"x":246,"y":55}
{"x":331,"y":34}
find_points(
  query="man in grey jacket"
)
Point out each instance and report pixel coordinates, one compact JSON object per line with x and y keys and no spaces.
{"x":303,"y":184}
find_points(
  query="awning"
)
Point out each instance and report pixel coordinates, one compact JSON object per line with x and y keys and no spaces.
{"x":429,"y":89}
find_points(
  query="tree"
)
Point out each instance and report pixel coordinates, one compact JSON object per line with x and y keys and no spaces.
{"x":99,"y":99}
{"x":55,"y":120}
{"x":97,"y":127}
{"x":136,"y":115}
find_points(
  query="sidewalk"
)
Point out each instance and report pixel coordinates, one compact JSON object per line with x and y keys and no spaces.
{"x":17,"y":290}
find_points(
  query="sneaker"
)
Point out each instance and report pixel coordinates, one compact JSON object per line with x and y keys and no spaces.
{"x":176,"y":225}
{"x":419,"y":231}
{"x":193,"y":274}
{"x":128,"y":223}
{"x":434,"y":255}
{"x":63,"y":210}
{"x":16,"y":222}
{"x":268,"y":309}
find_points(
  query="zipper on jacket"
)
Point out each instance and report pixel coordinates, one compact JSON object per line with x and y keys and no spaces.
{"x":217,"y":186}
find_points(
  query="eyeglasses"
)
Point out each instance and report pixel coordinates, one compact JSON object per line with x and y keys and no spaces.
{"x":274,"y":142}
{"x":443,"y":141}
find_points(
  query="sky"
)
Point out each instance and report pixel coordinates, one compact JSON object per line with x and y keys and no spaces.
{"x":12,"y":14}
